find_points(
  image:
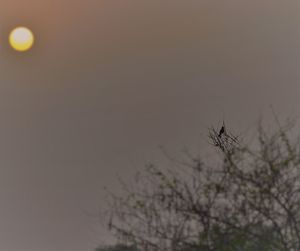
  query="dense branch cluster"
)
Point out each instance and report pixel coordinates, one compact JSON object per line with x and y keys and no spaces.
{"x":250,"y":200}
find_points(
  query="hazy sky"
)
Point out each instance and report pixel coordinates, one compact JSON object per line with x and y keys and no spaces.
{"x":108,"y":81}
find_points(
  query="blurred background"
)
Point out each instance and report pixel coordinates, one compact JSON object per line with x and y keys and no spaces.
{"x":108,"y":81}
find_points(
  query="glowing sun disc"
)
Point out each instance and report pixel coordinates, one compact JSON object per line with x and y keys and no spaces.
{"x":21,"y":39}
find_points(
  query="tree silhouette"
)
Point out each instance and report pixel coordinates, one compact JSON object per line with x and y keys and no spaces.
{"x":247,"y":199}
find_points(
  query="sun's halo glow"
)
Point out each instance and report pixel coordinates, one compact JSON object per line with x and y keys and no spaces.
{"x":21,"y":39}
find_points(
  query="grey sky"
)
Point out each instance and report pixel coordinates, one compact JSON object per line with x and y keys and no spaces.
{"x":108,"y":81}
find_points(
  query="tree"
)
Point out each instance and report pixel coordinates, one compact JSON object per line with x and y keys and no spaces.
{"x":247,"y":199}
{"x":118,"y":247}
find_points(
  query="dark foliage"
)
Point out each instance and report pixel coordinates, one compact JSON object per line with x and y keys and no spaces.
{"x":118,"y":247}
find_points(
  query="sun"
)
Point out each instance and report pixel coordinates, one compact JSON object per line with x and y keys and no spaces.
{"x":21,"y":39}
